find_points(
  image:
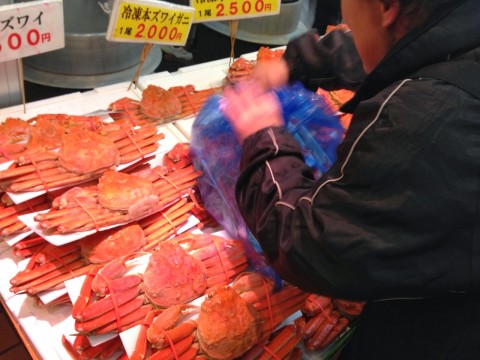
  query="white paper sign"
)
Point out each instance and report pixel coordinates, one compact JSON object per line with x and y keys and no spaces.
{"x":149,"y":21}
{"x":31,"y":28}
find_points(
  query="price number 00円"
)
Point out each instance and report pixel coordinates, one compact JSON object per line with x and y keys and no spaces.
{"x":238,"y":8}
{"x":15,"y":41}
{"x":152,"y":32}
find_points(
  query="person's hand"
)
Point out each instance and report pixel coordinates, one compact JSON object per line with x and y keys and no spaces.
{"x":249,"y":108}
{"x":271,"y":74}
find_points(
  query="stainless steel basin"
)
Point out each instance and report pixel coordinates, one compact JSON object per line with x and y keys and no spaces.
{"x":88,"y":59}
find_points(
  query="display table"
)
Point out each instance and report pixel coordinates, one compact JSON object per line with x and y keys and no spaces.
{"x":41,"y":329}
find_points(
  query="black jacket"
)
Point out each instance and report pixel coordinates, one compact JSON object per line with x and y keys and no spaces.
{"x":396,"y":220}
{"x":398,"y":215}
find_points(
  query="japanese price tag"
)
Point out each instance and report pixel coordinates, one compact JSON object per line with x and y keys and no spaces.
{"x":155,"y":22}
{"x":31,"y":28}
{"x":218,"y":10}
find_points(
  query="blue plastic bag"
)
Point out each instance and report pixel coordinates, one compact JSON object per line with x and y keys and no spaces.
{"x":216,"y":152}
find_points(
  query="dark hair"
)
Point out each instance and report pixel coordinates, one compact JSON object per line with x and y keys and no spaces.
{"x":416,"y":13}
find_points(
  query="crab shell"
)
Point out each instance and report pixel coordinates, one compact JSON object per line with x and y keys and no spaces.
{"x":121,"y":191}
{"x":158,"y":103}
{"x":227,"y":325}
{"x":86,"y":152}
{"x":107,"y":245}
{"x":173,"y":276}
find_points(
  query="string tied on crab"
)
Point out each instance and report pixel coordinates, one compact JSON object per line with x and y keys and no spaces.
{"x":39,"y":173}
{"x":170,"y":342}
{"x":129,"y":135}
{"x":114,"y":301}
{"x":163,"y":177}
{"x":174,"y":228}
{"x":270,"y":352}
{"x":269,"y":305}
{"x":58,"y":258}
{"x":189,"y":100}
{"x":29,"y":205}
{"x":95,"y":223}
{"x":222,"y":260}
{"x":192,"y":197}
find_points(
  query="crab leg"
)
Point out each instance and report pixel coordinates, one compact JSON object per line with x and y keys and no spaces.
{"x":27,"y":252}
{"x":35,"y":176}
{"x":315,"y":304}
{"x":153,"y":239}
{"x":109,"y":218}
{"x":136,"y":135}
{"x":23,"y":207}
{"x":93,"y":352}
{"x":70,"y":180}
{"x":70,"y":349}
{"x":81,"y":342}
{"x":52,"y":252}
{"x":322,"y":332}
{"x":141,"y":143}
{"x":132,"y":319}
{"x":337,"y":329}
{"x":85,"y":293}
{"x":175,"y":334}
{"x":72,"y":197}
{"x":27,"y":275}
{"x":15,"y":225}
{"x":137,"y":153}
{"x":79,"y":219}
{"x":88,"y":326}
{"x":159,"y":219}
{"x":64,"y":213}
{"x":15,"y":228}
{"x":224,"y":277}
{"x":280,"y":345}
{"x":51,"y":285}
{"x":51,"y":180}
{"x":105,"y":304}
{"x":315,"y":321}
{"x":22,"y":170}
{"x":140,"y":350}
{"x":170,"y":354}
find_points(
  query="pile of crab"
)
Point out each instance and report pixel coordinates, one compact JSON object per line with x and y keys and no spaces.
{"x":182,"y":306}
{"x":62,"y":150}
{"x":120,"y":214}
{"x":243,"y":68}
{"x":161,"y":106}
{"x":174,"y":308}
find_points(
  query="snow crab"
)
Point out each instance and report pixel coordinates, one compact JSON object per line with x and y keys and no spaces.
{"x":234,"y":318}
{"x":160,"y":106}
{"x":242,"y":68}
{"x":325,"y":319}
{"x":40,"y":133}
{"x":117,"y":198}
{"x":50,"y":266}
{"x":81,"y":155}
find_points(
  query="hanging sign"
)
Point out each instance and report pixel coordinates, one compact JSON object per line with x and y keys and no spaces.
{"x":156,"y":22}
{"x":218,"y":10}
{"x":31,"y":28}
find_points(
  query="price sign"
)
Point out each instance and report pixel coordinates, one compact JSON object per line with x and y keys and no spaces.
{"x":31,"y":28}
{"x":156,"y":22}
{"x":218,"y":10}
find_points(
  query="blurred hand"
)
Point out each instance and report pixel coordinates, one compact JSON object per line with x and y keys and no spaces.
{"x":271,"y":74}
{"x":249,"y":108}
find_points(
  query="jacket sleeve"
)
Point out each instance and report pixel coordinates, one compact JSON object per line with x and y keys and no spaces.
{"x":330,"y":63}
